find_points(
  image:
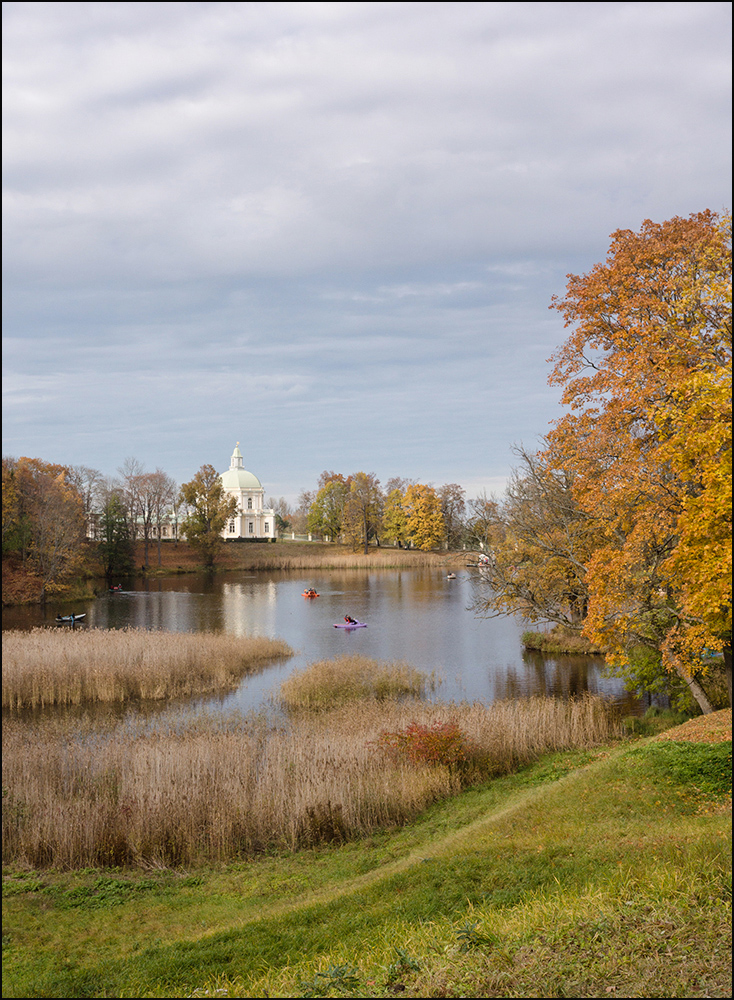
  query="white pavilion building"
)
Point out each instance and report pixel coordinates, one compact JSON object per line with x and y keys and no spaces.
{"x":253,"y":520}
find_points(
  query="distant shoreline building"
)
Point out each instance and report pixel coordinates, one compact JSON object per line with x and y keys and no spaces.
{"x":253,"y":521}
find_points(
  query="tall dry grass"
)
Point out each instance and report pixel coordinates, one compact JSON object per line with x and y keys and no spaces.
{"x":285,"y":557}
{"x":47,"y":667}
{"x":293,"y":555}
{"x":216,"y":792}
{"x":327,"y":683}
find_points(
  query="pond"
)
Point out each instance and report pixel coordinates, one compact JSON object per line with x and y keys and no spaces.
{"x":418,"y":616}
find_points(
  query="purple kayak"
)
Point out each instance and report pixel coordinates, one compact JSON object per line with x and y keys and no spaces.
{"x":351,"y":625}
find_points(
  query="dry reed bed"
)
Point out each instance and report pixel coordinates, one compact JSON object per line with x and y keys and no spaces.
{"x":48,"y":667}
{"x":287,"y":555}
{"x":328,"y":683}
{"x":213,"y":794}
{"x":280,"y":557}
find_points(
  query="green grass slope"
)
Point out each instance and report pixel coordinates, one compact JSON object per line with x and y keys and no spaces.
{"x":587,"y":875}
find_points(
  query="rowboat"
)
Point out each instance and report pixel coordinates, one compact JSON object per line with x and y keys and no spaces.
{"x":70,"y":618}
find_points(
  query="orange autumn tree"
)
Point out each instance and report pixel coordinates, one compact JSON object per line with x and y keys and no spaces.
{"x":43,"y":523}
{"x":646,"y":373}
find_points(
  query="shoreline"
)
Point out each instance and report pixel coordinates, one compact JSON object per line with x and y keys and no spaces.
{"x":21,"y":588}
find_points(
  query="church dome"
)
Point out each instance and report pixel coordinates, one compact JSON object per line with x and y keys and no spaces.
{"x":240,"y":479}
{"x":237,"y":477}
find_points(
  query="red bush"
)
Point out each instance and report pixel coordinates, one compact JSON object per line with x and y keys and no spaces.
{"x":439,"y":743}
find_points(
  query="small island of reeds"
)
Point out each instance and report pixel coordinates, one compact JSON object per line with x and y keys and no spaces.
{"x":46,"y":667}
{"x":559,"y":641}
{"x":328,"y":683}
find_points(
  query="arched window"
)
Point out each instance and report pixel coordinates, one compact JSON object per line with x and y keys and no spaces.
{"x":249,"y":503}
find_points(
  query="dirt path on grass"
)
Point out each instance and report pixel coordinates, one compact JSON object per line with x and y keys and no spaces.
{"x":713,"y":728}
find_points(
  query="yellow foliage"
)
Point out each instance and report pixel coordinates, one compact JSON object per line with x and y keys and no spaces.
{"x":424,"y":519}
{"x":647,"y":376}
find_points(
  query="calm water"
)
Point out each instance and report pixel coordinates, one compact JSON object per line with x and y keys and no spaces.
{"x":418,"y":616}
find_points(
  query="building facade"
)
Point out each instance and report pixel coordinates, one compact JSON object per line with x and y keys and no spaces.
{"x":253,"y":519}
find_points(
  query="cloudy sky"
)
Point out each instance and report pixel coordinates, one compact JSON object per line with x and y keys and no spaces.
{"x":329,"y":231}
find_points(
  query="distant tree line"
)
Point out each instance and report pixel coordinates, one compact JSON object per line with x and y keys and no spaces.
{"x":51,"y":510}
{"x":357,"y":510}
{"x":54,"y":515}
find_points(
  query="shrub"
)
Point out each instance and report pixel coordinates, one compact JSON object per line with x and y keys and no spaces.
{"x":422,"y":743}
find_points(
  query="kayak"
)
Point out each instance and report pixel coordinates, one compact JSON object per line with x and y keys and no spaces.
{"x":351,"y":625}
{"x":70,"y":618}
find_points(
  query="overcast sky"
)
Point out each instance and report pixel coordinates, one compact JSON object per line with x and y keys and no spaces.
{"x":329,"y":231}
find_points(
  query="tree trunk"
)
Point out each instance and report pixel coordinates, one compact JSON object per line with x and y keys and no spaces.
{"x":696,"y":690}
{"x":727,"y":669}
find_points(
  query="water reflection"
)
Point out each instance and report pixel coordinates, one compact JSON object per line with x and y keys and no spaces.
{"x":414,"y":615}
{"x":249,"y":609}
{"x":565,"y":675}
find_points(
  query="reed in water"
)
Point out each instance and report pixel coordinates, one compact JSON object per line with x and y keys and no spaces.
{"x":46,"y":667}
{"x":328,"y":683}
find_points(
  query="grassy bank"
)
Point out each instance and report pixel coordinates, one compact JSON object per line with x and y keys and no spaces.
{"x":46,"y":667}
{"x":285,"y":555}
{"x":592,"y":873}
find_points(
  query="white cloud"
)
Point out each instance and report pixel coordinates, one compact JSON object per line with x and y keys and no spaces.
{"x":355,"y":212}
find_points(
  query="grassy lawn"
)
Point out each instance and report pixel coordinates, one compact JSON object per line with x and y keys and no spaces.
{"x":590,"y":873}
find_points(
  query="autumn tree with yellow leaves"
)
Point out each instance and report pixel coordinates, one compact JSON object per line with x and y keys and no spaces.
{"x":646,"y":374}
{"x":394,"y":518}
{"x":326,"y":508}
{"x":208,"y":509}
{"x":363,"y":510}
{"x":424,"y":520}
